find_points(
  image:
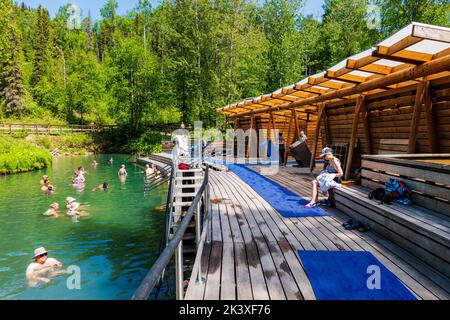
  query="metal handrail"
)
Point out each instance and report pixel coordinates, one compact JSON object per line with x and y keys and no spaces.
{"x":153,"y":276}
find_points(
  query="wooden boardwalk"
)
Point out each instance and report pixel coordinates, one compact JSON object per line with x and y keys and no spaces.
{"x":251,"y":250}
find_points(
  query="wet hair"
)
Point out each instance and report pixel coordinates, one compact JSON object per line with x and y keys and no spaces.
{"x":105,"y":185}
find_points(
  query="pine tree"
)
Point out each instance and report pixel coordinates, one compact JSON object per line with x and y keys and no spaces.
{"x":12,"y":86}
{"x":41,"y":46}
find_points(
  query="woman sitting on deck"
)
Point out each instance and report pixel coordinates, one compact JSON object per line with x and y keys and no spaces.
{"x":327,"y":180}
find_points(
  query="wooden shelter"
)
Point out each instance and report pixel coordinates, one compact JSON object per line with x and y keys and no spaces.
{"x":394,"y":98}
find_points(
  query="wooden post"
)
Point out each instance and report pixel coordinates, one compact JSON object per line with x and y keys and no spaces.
{"x":289,"y":136}
{"x":431,"y":123}
{"x":367,"y":129}
{"x":316,"y":137}
{"x":422,"y":86}
{"x":252,"y":120}
{"x":360,"y":101}
{"x":327,"y":128}
{"x":236,"y":124}
{"x":297,"y":127}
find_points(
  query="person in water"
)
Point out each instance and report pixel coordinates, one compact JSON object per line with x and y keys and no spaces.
{"x":94,"y":163}
{"x":74,"y":208}
{"x":122,"y":171}
{"x":104,"y":186}
{"x":46,"y":185}
{"x":42,"y":268}
{"x":53,"y":211}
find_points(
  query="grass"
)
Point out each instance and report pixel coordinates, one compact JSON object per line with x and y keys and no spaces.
{"x":21,"y":156}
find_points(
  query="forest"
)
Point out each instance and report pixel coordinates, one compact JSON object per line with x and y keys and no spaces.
{"x":180,"y":60}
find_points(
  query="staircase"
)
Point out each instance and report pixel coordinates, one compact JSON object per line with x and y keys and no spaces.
{"x":186,"y":185}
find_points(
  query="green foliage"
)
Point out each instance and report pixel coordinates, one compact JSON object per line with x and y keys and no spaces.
{"x":180,"y":60}
{"x":147,"y":143}
{"x":20,"y":156}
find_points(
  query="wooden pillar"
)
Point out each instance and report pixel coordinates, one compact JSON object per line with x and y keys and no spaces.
{"x":431,"y":123}
{"x":367,"y":129}
{"x":327,"y":128}
{"x":252,"y":120}
{"x":236,"y":124}
{"x":297,"y":127}
{"x":289,"y":136}
{"x":257,"y":136}
{"x":316,"y":137}
{"x":422,"y":86}
{"x":269,"y":132}
{"x":360,"y":101}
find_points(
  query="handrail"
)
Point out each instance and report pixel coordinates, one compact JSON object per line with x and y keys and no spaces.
{"x":153,"y":276}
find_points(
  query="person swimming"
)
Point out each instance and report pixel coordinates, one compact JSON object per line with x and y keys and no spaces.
{"x":42,"y":268}
{"x":53,"y":211}
{"x":122,"y":171}
{"x":46,"y":186}
{"x":104,"y":186}
{"x":94,"y":163}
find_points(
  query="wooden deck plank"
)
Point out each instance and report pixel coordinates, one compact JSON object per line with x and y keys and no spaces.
{"x":290,"y":255}
{"x":410,"y":280}
{"x":253,"y":253}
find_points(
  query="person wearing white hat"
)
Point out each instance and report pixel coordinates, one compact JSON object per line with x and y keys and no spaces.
{"x":334,"y":170}
{"x":72,"y":206}
{"x":42,"y":266}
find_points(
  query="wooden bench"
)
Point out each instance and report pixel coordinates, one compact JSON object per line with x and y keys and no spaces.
{"x":422,"y":231}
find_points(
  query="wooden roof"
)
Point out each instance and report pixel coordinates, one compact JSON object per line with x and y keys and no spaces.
{"x":415,"y":45}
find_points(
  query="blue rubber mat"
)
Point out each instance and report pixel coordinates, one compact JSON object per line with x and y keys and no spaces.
{"x":351,"y":275}
{"x":287,"y":203}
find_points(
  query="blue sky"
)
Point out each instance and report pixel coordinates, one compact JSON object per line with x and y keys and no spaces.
{"x":313,"y":7}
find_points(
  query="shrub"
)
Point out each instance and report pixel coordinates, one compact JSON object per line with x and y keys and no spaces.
{"x":20,"y":156}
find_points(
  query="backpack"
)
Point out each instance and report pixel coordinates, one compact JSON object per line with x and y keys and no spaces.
{"x":398,"y":191}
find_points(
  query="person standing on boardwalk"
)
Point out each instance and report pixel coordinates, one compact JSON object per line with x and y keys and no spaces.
{"x":282,"y":148}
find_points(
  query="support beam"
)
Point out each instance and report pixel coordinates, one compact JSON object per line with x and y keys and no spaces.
{"x":327,"y":128}
{"x":423,"y":70}
{"x":269,"y":133}
{"x":422,"y":87}
{"x":367,"y":134}
{"x":316,"y":137}
{"x":297,"y":127}
{"x":431,"y":123}
{"x":252,"y":121}
{"x":289,"y":136}
{"x":360,"y":101}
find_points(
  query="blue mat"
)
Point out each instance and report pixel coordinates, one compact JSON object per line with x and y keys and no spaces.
{"x":343,"y":275}
{"x":287,"y":203}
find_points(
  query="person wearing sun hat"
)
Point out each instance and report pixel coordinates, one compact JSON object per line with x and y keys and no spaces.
{"x":334,"y":170}
{"x":42,"y":266}
{"x":72,"y":206}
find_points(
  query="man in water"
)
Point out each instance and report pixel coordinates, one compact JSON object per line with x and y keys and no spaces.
{"x":122,"y":171}
{"x":42,"y":268}
{"x":53,"y":211}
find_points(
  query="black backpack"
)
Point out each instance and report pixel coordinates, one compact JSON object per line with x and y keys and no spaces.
{"x":380,"y":195}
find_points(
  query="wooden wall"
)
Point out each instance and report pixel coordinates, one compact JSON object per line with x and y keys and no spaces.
{"x":389,"y":117}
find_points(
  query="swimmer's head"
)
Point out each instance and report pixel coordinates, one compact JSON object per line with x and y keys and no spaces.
{"x":40,"y":255}
{"x":54,"y":205}
{"x":123,"y":166}
{"x":147,"y":165}
{"x":105,"y":185}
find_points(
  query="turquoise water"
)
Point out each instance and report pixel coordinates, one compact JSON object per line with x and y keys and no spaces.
{"x":114,"y":246}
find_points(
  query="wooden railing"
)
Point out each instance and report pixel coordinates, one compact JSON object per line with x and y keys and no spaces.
{"x":54,"y":129}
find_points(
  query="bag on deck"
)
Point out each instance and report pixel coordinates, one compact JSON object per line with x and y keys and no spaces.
{"x":397,"y":191}
{"x":183,"y":166}
{"x":378,"y":194}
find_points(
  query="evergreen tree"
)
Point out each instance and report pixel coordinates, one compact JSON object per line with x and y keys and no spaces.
{"x":12,"y":87}
{"x":41,"y":57}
